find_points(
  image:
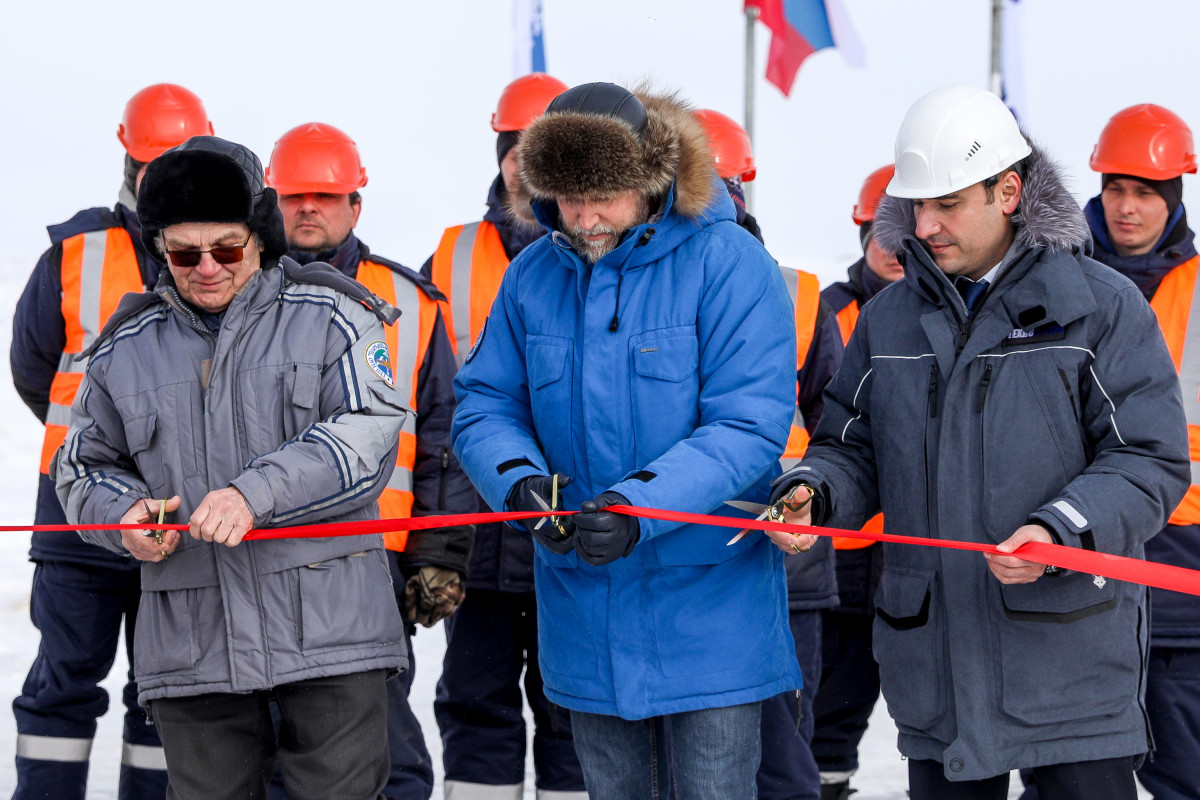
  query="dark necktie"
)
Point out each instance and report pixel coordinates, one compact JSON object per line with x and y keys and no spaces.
{"x":972,"y":292}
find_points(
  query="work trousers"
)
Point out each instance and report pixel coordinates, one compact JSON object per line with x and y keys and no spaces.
{"x":1107,"y":779}
{"x":80,"y":611}
{"x":332,"y":742}
{"x":788,"y":770}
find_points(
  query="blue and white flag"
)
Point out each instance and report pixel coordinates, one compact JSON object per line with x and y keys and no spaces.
{"x":529,"y":46}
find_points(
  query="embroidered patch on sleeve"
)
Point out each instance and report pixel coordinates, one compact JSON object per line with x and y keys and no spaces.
{"x":380,"y":361}
{"x":478,"y":341}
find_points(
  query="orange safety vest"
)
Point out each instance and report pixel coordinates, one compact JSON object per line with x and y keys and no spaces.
{"x":1173,"y":302}
{"x":805,"y":290}
{"x":468,"y":265}
{"x":847,"y":318}
{"x":407,"y":341}
{"x":98,"y":269}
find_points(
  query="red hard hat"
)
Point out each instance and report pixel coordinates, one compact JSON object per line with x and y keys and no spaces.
{"x":315,"y":157}
{"x":524,"y":100}
{"x":871,"y":193}
{"x":160,"y":117}
{"x":730,"y":145}
{"x":1146,"y":141}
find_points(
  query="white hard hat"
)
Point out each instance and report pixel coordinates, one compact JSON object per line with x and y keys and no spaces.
{"x":952,"y":138}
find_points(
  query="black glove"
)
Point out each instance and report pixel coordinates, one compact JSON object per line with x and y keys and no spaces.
{"x":601,"y":537}
{"x":534,"y":494}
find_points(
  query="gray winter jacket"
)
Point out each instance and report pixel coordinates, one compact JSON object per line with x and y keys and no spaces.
{"x":1056,"y":403}
{"x":287,"y":403}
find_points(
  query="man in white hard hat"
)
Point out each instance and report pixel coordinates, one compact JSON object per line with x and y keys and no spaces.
{"x":1008,"y":390}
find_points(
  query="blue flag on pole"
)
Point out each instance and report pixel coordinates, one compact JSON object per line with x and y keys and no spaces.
{"x":529,"y":45}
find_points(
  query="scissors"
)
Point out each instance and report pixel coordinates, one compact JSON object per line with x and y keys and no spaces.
{"x":773,"y":512}
{"x":551,"y":508}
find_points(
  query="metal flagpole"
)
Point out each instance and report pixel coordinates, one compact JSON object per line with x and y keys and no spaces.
{"x":997,"y":39}
{"x":751,"y":17}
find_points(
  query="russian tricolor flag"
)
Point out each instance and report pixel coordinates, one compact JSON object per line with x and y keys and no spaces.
{"x":799,"y":28}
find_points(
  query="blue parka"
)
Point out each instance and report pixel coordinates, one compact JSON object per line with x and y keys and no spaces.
{"x":664,"y":372}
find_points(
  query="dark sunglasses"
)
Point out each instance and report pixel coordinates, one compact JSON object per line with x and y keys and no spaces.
{"x":222,"y":254}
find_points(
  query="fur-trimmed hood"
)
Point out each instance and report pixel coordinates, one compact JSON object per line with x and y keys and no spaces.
{"x":573,"y":154}
{"x":1047,"y":215}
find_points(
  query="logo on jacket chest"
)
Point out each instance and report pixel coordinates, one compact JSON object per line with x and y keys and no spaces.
{"x":380,"y":361}
{"x":1050,"y":332}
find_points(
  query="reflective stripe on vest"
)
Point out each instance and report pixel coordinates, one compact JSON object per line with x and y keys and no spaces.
{"x":407,"y":341}
{"x":468,"y":266}
{"x":805,"y":290}
{"x":1173,"y":302}
{"x":98,"y":269}
{"x":847,"y":318}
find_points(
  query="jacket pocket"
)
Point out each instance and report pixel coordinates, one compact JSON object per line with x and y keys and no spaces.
{"x":666,"y":389}
{"x":347,"y":602}
{"x":1067,"y":648}
{"x":166,"y":633}
{"x":908,"y":642}
{"x":302,"y":388}
{"x":140,"y":437}
{"x":549,"y":365}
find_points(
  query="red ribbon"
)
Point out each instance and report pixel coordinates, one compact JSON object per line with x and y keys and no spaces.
{"x":1133,"y":570}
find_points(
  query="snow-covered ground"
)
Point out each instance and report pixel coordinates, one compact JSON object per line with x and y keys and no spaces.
{"x":881,"y":777}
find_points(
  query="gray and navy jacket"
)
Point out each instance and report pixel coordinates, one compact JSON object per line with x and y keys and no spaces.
{"x":288,"y":402}
{"x":1056,"y":403}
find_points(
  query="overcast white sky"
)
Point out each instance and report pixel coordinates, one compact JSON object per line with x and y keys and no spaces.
{"x":415,"y":84}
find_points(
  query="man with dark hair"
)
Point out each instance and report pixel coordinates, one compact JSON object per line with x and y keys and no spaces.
{"x":1140,"y":229}
{"x":1009,"y":390}
{"x":245,"y":391}
{"x":641,"y":354}
{"x":317,"y":171}
{"x":83,"y":596}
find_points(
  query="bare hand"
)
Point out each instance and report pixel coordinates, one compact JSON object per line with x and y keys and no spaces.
{"x":797,"y":510}
{"x":142,"y":544}
{"x":222,"y":518}
{"x":1010,"y":569}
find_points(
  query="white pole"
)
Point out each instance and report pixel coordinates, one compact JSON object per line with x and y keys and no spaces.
{"x":751,"y":18}
{"x":997,"y":38}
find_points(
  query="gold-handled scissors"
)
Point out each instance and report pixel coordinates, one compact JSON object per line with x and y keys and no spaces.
{"x":773,"y":512}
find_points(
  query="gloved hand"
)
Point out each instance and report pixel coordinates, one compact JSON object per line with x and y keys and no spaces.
{"x":535,"y":494}
{"x":601,"y":537}
{"x":434,"y":593}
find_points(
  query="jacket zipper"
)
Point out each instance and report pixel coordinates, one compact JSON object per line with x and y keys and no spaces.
{"x":983,"y":387}
{"x":933,"y":390}
{"x":442,"y":480}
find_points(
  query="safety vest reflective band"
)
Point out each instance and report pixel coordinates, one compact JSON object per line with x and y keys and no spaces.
{"x":53,"y":748}
{"x":847,"y":318}
{"x":1177,"y":295}
{"x":407,"y":341}
{"x":468,"y":266}
{"x":143,"y":756}
{"x":98,"y":269}
{"x":805,"y":290}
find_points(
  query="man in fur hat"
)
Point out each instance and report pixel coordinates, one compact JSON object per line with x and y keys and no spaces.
{"x":1007,"y":390}
{"x":642,"y":354}
{"x":245,"y":391}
